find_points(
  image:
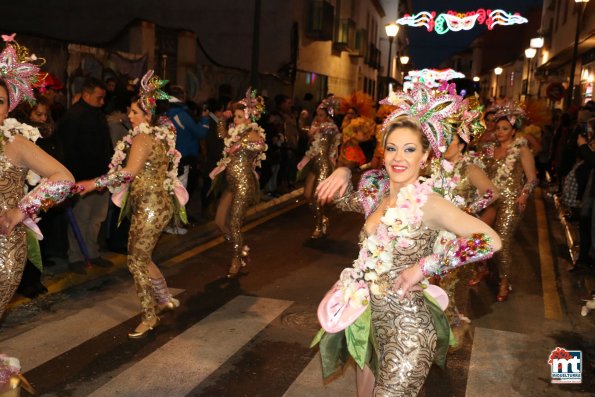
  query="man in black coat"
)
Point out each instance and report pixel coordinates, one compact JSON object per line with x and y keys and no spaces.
{"x":87,"y":150}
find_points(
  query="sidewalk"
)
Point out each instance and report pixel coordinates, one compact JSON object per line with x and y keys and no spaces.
{"x":585,"y":276}
{"x":170,"y":250}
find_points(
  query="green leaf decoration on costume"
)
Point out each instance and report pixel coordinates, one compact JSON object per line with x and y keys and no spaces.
{"x":317,"y":338}
{"x":357,"y":335}
{"x":333,"y":353}
{"x":125,"y":209}
{"x":34,"y":250}
{"x":444,"y":335}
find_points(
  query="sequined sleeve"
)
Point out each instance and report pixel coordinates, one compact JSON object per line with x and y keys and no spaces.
{"x":44,"y":196}
{"x":458,"y":252}
{"x":113,"y":179}
{"x":350,"y":201}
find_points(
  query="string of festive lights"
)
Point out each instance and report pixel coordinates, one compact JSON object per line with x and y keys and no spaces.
{"x":458,"y":21}
{"x":432,"y":77}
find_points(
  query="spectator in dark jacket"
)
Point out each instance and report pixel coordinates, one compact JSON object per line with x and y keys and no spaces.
{"x":586,"y":222}
{"x":87,"y":148}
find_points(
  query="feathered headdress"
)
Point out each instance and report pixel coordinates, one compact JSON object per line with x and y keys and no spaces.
{"x":360,"y":101}
{"x":514,"y":112}
{"x":434,"y":111}
{"x":329,"y":104}
{"x":18,"y":71}
{"x":254,"y":105}
{"x":150,"y":91}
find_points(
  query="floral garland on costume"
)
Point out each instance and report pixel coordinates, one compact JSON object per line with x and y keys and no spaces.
{"x":164,"y":132}
{"x":444,"y":179}
{"x":505,"y":170}
{"x":397,"y":226}
{"x":12,"y":127}
{"x":234,"y":135}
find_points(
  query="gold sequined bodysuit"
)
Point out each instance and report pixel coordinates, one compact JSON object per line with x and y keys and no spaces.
{"x":323,"y":166}
{"x":449,"y":281}
{"x":13,"y":249}
{"x":243,"y":185}
{"x":152,"y":209}
{"x":508,"y":215}
{"x":403,"y":327}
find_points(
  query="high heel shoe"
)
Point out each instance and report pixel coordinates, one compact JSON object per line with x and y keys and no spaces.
{"x":144,"y":331}
{"x":234,"y":269}
{"x":168,"y":306}
{"x":480,"y":274}
{"x":503,"y":290}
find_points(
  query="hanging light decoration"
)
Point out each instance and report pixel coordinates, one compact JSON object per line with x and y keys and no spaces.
{"x":460,"y":21}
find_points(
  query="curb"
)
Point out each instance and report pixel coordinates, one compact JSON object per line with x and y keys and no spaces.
{"x":198,"y":239}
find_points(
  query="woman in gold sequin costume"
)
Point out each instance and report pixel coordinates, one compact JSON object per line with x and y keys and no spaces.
{"x":320,"y":160}
{"x":473,"y":192}
{"x":18,"y":157}
{"x":149,"y":179}
{"x":512,"y":169}
{"x":244,"y":150}
{"x":401,"y":322}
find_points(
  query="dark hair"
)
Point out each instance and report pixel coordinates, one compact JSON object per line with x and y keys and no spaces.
{"x":488,"y":113}
{"x":3,"y":84}
{"x":91,"y":83}
{"x":161,"y":106}
{"x":237,"y":106}
{"x":308,"y":96}
{"x":515,"y":126}
{"x":279,"y":99}
{"x":406,"y":122}
{"x":213,"y":105}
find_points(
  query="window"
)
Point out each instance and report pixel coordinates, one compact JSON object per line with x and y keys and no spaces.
{"x":320,"y":20}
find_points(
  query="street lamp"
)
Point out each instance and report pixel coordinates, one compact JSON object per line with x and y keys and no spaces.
{"x":476,"y":79}
{"x":536,"y":42}
{"x":579,"y":15}
{"x":529,"y":53}
{"x":497,"y":72}
{"x":404,"y":61}
{"x":391,"y":31}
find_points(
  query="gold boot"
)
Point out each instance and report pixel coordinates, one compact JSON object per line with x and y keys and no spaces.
{"x":143,"y":329}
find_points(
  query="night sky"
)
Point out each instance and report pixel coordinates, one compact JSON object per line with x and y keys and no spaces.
{"x":428,"y":49}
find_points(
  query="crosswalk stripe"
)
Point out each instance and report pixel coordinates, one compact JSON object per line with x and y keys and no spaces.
{"x":178,"y":366}
{"x":310,"y":382}
{"x":55,"y":337}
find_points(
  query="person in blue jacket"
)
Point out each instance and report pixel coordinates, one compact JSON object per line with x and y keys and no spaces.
{"x":189,"y":133}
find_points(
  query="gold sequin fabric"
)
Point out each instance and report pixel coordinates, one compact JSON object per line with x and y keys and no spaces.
{"x":403,"y":327}
{"x":13,"y":248}
{"x":449,"y":281}
{"x":243,"y":184}
{"x":322,"y":167}
{"x":152,"y":209}
{"x":508,"y":215}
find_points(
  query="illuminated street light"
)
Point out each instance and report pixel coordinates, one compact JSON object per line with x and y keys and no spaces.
{"x":536,"y":42}
{"x":497,"y":71}
{"x":476,"y":79}
{"x":529,"y":53}
{"x":392,"y":29}
{"x":404,"y":60}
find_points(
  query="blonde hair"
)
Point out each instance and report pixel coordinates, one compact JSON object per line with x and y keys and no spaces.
{"x":406,"y":122}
